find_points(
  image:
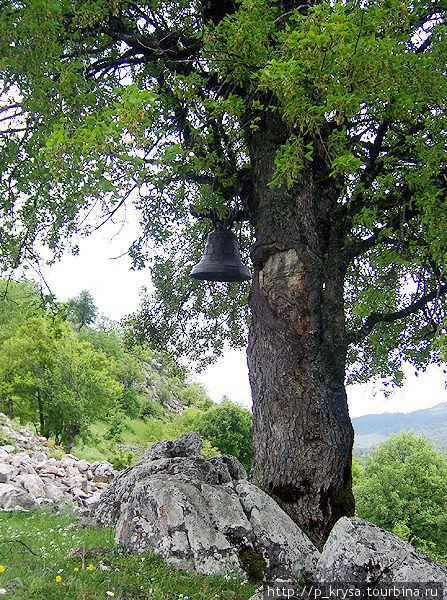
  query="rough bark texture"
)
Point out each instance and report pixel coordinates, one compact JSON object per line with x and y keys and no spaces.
{"x":302,"y":431}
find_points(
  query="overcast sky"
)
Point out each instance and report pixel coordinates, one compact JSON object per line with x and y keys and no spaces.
{"x":115,"y":288}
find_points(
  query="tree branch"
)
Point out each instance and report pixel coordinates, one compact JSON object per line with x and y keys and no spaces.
{"x":374,"y":318}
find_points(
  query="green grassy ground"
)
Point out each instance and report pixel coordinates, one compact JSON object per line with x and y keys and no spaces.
{"x":140,"y":432}
{"x":50,"y":574}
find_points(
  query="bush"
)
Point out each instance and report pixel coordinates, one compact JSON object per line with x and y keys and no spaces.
{"x":228,"y":428}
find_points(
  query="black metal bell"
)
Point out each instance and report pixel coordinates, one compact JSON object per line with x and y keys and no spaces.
{"x":221,"y":260}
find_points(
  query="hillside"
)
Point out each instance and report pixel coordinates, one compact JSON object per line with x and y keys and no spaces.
{"x":371,"y":430}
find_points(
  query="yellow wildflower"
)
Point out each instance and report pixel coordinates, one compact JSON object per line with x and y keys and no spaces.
{"x":91,"y":567}
{"x":76,"y":569}
{"x":2,"y":568}
{"x":58,"y":578}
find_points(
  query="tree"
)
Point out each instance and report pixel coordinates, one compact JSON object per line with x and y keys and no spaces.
{"x":320,"y":124}
{"x":82,"y":309}
{"x":56,"y":381}
{"x":229,"y":429}
{"x":402,"y":489}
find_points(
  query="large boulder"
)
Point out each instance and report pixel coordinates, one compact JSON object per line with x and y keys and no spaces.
{"x":362,"y":552}
{"x":203,"y":515}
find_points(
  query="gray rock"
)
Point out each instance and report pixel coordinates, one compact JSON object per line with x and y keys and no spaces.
{"x":188,"y":444}
{"x":7,"y":473}
{"x":230,"y":467}
{"x":40,"y":457}
{"x":92,"y":501}
{"x":362,"y":552}
{"x":32,"y":484}
{"x":13,"y":495}
{"x":82,"y":465}
{"x":288,"y":549}
{"x":53,"y":492}
{"x":4,"y":456}
{"x":104,"y":472}
{"x":201,"y":514}
{"x":8,"y":448}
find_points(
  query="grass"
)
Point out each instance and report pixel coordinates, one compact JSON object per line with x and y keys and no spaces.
{"x":53,"y":575}
{"x":135,"y":432}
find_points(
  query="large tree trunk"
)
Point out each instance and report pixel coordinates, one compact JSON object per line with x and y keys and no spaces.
{"x":302,"y":431}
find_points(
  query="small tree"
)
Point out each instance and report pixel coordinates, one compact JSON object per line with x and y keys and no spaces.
{"x":403,"y":489}
{"x":82,"y":310}
{"x":229,"y":429}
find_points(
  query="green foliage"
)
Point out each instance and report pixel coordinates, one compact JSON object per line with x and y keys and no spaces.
{"x":50,"y":377}
{"x":82,"y":310}
{"x":149,"y":409}
{"x":229,"y":429}
{"x":402,"y":489}
{"x":357,"y":471}
{"x":208,"y":450}
{"x":54,"y":534}
{"x":194,"y":394}
{"x":94,"y":112}
{"x":19,"y":300}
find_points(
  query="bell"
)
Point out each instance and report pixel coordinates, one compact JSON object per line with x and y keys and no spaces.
{"x":221,"y":260}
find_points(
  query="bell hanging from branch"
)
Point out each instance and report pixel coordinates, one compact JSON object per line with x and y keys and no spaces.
{"x":221,"y":260}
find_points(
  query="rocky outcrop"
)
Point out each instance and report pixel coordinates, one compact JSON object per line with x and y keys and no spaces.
{"x":203,"y":514}
{"x":362,"y":552}
{"x":29,"y":476}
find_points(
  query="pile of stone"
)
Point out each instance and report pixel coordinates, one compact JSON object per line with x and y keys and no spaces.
{"x":30,"y":476}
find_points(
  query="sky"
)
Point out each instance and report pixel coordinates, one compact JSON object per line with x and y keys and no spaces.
{"x":115,"y":288}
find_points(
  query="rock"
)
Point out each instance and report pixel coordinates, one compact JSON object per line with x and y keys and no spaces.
{"x":104,"y":472}
{"x":32,"y":484}
{"x":229,"y":466}
{"x":78,"y":493}
{"x":188,"y":444}
{"x":362,"y":552}
{"x":72,"y":472}
{"x":52,"y":492}
{"x":50,"y":469}
{"x":203,"y":514}
{"x":82,"y":465}
{"x":4,"y":456}
{"x":27,"y":469}
{"x":92,"y":501}
{"x":7,"y":473}
{"x":13,"y":495}
{"x":287,"y":548}
{"x":40,"y":457}
{"x":8,"y":448}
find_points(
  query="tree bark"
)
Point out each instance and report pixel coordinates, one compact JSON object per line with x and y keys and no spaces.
{"x":41,"y":412}
{"x":302,"y":431}
{"x":74,"y":432}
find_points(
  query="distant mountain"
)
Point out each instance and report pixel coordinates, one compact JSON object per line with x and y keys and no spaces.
{"x":371,"y":430}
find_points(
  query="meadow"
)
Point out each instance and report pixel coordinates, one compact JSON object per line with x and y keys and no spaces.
{"x":50,"y":554}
